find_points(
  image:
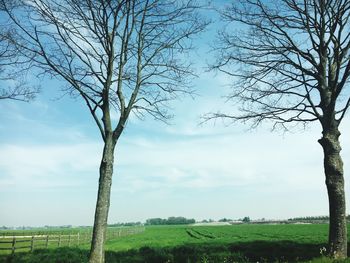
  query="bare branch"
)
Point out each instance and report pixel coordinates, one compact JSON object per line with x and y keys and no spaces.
{"x":13,"y":68}
{"x":111,"y":53}
{"x":290,"y":61}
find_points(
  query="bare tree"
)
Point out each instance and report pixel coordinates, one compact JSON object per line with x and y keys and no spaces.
{"x":290,"y":61}
{"x":121,"y":57}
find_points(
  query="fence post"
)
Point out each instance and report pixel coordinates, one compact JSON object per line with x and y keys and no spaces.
{"x":32,"y":244}
{"x":47,"y":241}
{"x":59,"y":240}
{"x":13,"y":245}
{"x":78,"y":239}
{"x":69,"y":240}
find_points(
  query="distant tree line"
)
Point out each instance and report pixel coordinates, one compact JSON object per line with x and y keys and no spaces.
{"x":170,"y":221}
{"x":314,"y":218}
{"x":225,"y":220}
{"x":54,"y":227}
{"x":125,"y":224}
{"x":5,"y":228}
{"x":246,"y":219}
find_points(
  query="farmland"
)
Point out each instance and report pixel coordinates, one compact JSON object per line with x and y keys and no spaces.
{"x":237,"y":243}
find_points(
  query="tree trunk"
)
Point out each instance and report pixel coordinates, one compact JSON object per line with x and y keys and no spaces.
{"x":103,"y":199}
{"x":333,"y":166}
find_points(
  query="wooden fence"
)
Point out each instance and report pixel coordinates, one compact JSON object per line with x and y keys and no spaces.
{"x":15,"y":243}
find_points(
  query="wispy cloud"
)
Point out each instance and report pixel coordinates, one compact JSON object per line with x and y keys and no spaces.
{"x":222,"y":160}
{"x":157,"y":162}
{"x":46,"y":167}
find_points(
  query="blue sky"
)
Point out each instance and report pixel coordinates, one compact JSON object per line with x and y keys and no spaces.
{"x":50,"y":152}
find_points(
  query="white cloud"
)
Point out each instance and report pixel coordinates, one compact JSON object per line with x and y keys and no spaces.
{"x":43,"y":167}
{"x":206,"y":164}
{"x":211,"y":161}
{"x":222,"y":160}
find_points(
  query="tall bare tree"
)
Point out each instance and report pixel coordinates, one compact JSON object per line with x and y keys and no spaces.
{"x":121,"y":57}
{"x":290,"y":61}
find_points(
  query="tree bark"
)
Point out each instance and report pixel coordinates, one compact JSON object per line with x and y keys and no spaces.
{"x":97,"y":254}
{"x":333,"y":167}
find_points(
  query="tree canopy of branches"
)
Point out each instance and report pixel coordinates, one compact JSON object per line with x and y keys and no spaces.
{"x":290,"y":61}
{"x":12,"y":74}
{"x":121,"y":57}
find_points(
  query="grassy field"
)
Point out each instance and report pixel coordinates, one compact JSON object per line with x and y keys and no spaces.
{"x":187,"y":244}
{"x":29,"y":240}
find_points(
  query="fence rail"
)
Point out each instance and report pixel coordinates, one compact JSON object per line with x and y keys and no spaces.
{"x":13,"y":243}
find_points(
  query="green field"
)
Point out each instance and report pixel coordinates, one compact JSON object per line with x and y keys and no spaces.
{"x":237,"y":243}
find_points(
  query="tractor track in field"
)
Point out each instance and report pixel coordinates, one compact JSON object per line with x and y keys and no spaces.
{"x":199,"y":235}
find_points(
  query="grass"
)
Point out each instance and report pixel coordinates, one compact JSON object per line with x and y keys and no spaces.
{"x":163,"y":236}
{"x":202,"y":244}
{"x":54,"y":238}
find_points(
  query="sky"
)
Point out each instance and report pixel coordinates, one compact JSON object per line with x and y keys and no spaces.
{"x":50,"y":151}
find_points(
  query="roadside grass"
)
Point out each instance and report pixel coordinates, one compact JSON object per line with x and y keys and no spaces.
{"x":188,"y":244}
{"x":200,"y":253}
